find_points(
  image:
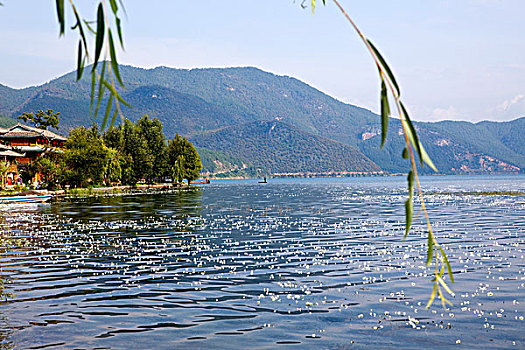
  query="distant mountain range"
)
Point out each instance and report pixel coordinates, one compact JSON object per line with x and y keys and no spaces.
{"x":247,"y":121}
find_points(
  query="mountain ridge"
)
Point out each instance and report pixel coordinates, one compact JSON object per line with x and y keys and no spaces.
{"x":200,"y":100}
{"x":276,"y":147}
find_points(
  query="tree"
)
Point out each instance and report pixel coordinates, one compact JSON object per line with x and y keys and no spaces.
{"x":151,"y":131}
{"x":185,"y":162}
{"x":141,"y":149}
{"x":4,"y":168}
{"x":48,"y":168}
{"x":177,"y":169}
{"x":136,"y":147}
{"x":112,"y":170}
{"x":41,"y":119}
{"x":113,"y":137}
{"x":191,"y":162}
{"x":175,"y":157}
{"x":86,"y":158}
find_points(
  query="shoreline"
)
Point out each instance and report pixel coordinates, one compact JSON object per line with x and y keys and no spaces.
{"x":95,"y":191}
{"x":165,"y":187}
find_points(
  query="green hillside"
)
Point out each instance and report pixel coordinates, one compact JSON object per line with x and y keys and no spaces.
{"x":219,"y":164}
{"x":510,"y":134}
{"x":195,"y":101}
{"x":6,"y":122}
{"x":276,"y":147}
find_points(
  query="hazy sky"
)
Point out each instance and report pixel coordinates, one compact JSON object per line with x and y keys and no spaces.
{"x":456,"y":59}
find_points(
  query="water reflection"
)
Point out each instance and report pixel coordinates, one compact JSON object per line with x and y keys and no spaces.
{"x":312,"y":263}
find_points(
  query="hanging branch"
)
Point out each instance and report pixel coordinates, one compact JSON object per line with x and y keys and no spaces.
{"x":434,"y":250}
{"x":109,"y":75}
{"x":104,"y":38}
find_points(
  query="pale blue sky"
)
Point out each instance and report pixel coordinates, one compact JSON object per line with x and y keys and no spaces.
{"x":456,"y":59}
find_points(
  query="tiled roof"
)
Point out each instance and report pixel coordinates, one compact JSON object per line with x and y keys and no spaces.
{"x":25,"y":131}
{"x":9,"y":153}
{"x":36,"y":148}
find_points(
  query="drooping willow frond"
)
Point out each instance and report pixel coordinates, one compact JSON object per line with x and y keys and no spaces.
{"x":388,"y":82}
{"x":105,"y":76}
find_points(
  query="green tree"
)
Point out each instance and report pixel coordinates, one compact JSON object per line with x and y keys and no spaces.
{"x":184,"y":160}
{"x":141,"y":149}
{"x":126,"y":168}
{"x":177,"y":169}
{"x":113,"y":169}
{"x":48,"y":168}
{"x":151,"y":132}
{"x":86,"y":158}
{"x":136,"y":147}
{"x":113,"y":137}
{"x":175,"y":157}
{"x":192,"y":162}
{"x":4,"y":168}
{"x":42,"y":119}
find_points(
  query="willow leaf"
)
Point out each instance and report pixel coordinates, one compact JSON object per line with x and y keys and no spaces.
{"x":385,"y":112}
{"x":99,"y":41}
{"x":115,"y":93}
{"x":441,"y":271}
{"x":60,"y":15}
{"x":101,"y":88}
{"x":106,"y":114}
{"x":444,"y":285}
{"x":405,"y":153}
{"x":113,"y":118}
{"x":426,"y":158}
{"x":409,"y":211}
{"x":313,"y":7}
{"x":114,"y":6}
{"x":92,"y":92}
{"x":412,"y":133}
{"x":89,"y":27}
{"x":443,"y":299}
{"x":80,"y":27}
{"x":430,"y":249}
{"x":410,"y":180}
{"x":409,"y":203}
{"x":432,"y":296}
{"x":385,"y":66}
{"x":119,"y":31}
{"x":447,"y":263}
{"x":80,"y":61}
{"x":114,"y":63}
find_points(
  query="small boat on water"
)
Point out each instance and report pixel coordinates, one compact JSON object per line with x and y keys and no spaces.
{"x":25,"y":199}
{"x":264,"y":181}
{"x":203,"y":182}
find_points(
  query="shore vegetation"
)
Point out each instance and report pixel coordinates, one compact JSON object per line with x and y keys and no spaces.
{"x":123,"y":155}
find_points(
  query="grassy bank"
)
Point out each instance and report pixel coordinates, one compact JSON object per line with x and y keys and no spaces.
{"x":122,"y":190}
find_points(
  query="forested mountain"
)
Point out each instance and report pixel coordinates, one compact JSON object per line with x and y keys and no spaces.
{"x":274,"y":147}
{"x":221,"y":100}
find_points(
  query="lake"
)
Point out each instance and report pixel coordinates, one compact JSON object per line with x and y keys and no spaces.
{"x":294,"y":263}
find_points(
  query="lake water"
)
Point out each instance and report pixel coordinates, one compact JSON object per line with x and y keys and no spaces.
{"x":298,"y":263}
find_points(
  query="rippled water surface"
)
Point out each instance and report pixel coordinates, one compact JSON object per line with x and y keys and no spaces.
{"x":313,"y":263}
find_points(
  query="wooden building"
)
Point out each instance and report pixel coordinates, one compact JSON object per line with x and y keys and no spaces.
{"x":20,"y":145}
{"x":31,"y":142}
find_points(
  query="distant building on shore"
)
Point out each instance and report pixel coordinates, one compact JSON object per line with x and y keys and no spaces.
{"x":21,"y":144}
{"x":31,"y":142}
